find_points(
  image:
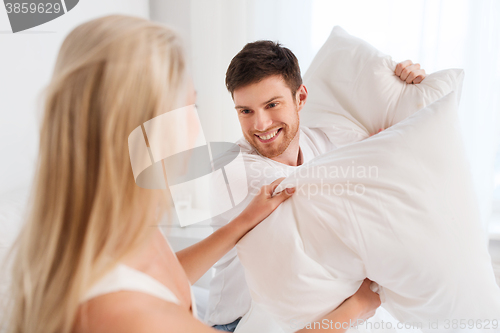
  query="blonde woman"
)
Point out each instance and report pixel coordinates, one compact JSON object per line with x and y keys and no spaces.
{"x":89,"y":258}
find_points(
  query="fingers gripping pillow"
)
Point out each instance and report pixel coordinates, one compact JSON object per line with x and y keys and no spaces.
{"x":353,"y":91}
{"x":397,"y":208}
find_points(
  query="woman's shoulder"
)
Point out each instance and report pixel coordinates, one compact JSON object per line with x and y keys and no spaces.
{"x":131,"y":311}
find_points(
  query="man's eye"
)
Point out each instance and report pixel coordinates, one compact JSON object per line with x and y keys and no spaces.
{"x":272,"y":105}
{"x":245,"y":111}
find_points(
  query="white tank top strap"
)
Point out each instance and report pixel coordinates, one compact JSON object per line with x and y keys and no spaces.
{"x":123,"y":277}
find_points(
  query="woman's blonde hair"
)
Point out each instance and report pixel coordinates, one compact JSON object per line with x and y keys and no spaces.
{"x":112,"y":75}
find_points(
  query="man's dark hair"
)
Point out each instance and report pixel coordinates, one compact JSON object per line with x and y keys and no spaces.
{"x":262,"y":59}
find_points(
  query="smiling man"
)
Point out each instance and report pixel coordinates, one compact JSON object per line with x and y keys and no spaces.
{"x":266,"y":86}
{"x":269,"y":117}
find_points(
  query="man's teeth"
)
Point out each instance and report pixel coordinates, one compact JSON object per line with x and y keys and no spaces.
{"x":269,"y":136}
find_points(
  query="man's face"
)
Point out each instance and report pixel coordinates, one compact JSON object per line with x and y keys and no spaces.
{"x":268,"y":115}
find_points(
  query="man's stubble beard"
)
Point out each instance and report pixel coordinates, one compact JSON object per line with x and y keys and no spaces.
{"x":289,"y":134}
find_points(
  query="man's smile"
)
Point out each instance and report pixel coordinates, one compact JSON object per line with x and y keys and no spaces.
{"x":269,"y":136}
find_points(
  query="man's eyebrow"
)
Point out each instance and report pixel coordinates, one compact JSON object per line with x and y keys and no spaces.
{"x":266,"y":102}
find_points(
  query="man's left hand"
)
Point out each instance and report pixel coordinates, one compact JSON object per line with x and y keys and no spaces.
{"x":410,"y":72}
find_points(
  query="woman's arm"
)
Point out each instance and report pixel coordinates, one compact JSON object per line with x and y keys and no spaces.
{"x":198,"y":258}
{"x":353,"y":311}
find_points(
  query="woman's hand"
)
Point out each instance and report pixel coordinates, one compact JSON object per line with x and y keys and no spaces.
{"x":198,"y":258}
{"x":364,"y":301}
{"x":410,"y":72}
{"x":263,"y":204}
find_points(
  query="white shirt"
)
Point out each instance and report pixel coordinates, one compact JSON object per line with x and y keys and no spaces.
{"x":229,"y":296}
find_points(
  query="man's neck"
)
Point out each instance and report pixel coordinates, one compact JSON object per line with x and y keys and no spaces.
{"x":292,"y":155}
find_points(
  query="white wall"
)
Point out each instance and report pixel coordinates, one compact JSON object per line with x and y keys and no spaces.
{"x":26,"y":62}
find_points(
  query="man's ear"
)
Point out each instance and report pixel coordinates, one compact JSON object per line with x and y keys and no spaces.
{"x":301,"y":97}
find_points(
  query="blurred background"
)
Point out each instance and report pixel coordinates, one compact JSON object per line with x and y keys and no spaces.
{"x":438,"y":34}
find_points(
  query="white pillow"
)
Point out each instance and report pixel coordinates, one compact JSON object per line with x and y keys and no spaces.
{"x":353,"y":91}
{"x":414,"y":229}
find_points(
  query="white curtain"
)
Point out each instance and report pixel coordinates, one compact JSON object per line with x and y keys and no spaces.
{"x":438,"y":34}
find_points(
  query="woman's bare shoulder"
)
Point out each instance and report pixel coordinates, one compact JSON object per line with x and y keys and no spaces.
{"x":130,"y":311}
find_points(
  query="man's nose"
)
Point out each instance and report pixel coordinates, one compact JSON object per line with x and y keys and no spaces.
{"x":262,"y":121}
